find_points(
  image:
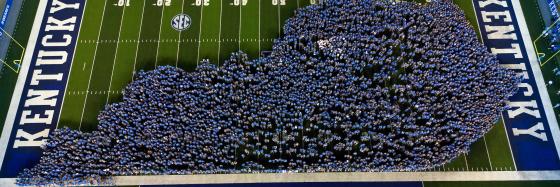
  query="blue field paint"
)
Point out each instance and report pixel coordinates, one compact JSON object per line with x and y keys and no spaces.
{"x":311,"y":184}
{"x":526,"y":123}
{"x":5,"y":15}
{"x":41,"y":98}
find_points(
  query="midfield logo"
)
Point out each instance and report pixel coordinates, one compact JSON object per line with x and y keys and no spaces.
{"x":181,"y":22}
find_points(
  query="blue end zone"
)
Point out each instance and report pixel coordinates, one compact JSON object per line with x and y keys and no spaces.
{"x":5,"y":14}
{"x":314,"y":184}
{"x":526,"y":123}
{"x":41,"y":98}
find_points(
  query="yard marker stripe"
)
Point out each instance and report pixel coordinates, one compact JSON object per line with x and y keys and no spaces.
{"x":138,"y":40}
{"x":93,"y":64}
{"x":199,"y":34}
{"x":159,"y":33}
{"x":487,"y":152}
{"x":220,"y":32}
{"x":180,"y":33}
{"x":116,"y":54}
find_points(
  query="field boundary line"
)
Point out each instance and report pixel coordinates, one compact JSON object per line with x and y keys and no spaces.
{"x":116,"y":54}
{"x":138,"y":44}
{"x":71,"y":64}
{"x":93,"y":64}
{"x":539,"y":80}
{"x":23,"y":73}
{"x":338,"y":177}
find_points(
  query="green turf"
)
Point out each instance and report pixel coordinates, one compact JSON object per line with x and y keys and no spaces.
{"x":8,"y":77}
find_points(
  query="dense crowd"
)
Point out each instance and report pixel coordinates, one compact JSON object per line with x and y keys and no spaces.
{"x":351,"y":86}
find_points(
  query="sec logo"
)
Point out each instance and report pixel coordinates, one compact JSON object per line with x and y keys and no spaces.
{"x":181,"y":22}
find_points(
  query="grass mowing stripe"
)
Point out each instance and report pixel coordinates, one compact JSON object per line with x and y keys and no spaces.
{"x":101,"y":73}
{"x":82,"y":63}
{"x":188,"y":50}
{"x":116,"y":53}
{"x":149,"y":35}
{"x":167,"y":51}
{"x":269,"y":24}
{"x":249,"y":33}
{"x":125,"y":55}
{"x":287,"y":11}
{"x":209,"y":31}
{"x":230,"y":29}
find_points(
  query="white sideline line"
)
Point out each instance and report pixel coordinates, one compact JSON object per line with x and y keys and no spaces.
{"x":14,"y":103}
{"x":159,"y":33}
{"x":338,"y":177}
{"x":138,"y":45}
{"x":93,"y":64}
{"x":536,"y":68}
{"x":329,"y":177}
{"x":72,"y":63}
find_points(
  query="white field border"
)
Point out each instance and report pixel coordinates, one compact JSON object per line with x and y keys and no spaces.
{"x":536,"y":68}
{"x":11,"y":115}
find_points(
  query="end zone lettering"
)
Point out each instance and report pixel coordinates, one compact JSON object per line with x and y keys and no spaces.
{"x":45,"y":84}
{"x":527,"y":127}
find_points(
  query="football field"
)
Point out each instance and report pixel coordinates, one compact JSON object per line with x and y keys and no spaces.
{"x":118,"y":38}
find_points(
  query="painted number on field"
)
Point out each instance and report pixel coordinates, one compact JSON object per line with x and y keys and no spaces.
{"x":239,"y":2}
{"x":278,"y":2}
{"x":123,"y":3}
{"x":163,"y":3}
{"x":201,"y":2}
{"x":313,"y":2}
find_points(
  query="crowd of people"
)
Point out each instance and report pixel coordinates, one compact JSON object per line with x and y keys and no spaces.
{"x":352,"y":86}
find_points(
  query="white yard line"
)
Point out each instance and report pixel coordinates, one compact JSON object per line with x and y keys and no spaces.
{"x":466,"y":163}
{"x":22,"y":76}
{"x":199,"y":34}
{"x":159,"y":33}
{"x":279,"y":25}
{"x":220,"y":32}
{"x":487,"y":152}
{"x":92,"y":65}
{"x":116,"y":54}
{"x":259,"y":28}
{"x":509,"y":144}
{"x":240,"y":25}
{"x":138,"y":45}
{"x":72,"y":64}
{"x":180,"y":33}
{"x":536,"y":68}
